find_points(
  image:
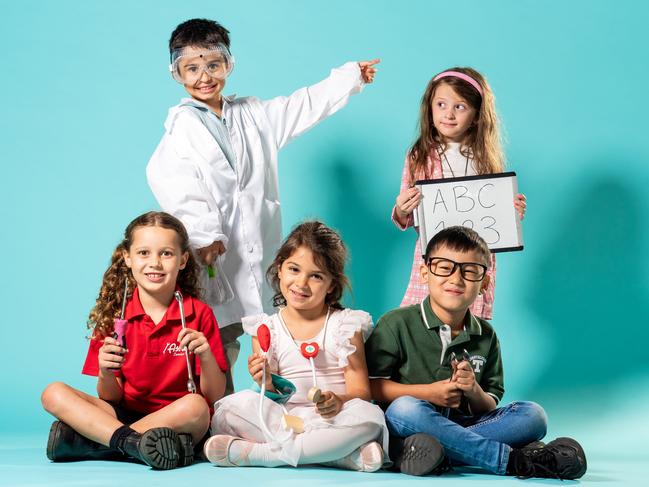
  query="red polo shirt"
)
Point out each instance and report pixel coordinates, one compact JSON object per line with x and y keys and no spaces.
{"x":155,"y":372}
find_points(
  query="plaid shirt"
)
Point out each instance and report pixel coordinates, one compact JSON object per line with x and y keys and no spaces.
{"x":416,"y":292}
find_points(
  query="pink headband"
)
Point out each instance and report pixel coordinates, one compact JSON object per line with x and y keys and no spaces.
{"x":462,"y":76}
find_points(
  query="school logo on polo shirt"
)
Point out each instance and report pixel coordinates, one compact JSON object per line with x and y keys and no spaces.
{"x":478,"y":362}
{"x":173,"y":348}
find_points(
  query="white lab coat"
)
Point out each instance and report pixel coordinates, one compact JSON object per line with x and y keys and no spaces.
{"x":192,"y":179}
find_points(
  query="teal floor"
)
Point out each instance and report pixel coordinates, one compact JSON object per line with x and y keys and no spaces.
{"x":612,"y":429}
{"x":23,"y":463}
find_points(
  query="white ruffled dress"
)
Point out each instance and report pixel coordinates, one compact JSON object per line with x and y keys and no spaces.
{"x":238,"y":415}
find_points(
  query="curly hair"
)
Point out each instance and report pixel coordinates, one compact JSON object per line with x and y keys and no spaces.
{"x":111,"y":294}
{"x":482,"y":142}
{"x":329,"y":253}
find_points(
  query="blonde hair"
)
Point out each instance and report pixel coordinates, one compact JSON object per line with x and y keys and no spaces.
{"x":482,"y":139}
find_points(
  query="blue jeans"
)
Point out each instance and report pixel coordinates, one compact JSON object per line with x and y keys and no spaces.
{"x":483,"y":440}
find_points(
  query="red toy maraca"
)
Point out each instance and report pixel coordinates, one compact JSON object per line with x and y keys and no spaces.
{"x":263,"y":337}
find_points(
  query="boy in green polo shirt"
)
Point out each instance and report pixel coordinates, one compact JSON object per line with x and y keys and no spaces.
{"x":436,"y":369}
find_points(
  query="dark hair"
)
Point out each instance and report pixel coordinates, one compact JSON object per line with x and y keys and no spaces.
{"x":460,"y":239}
{"x":482,"y":138}
{"x":200,"y":33}
{"x":111,"y":293}
{"x":329,"y":253}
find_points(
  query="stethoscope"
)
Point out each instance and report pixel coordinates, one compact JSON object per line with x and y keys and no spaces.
{"x":309,"y":350}
{"x":291,"y":424}
{"x":119,"y":332}
{"x":441,"y":154}
{"x":191,"y":385}
{"x":455,"y":358}
{"x":119,"y":324}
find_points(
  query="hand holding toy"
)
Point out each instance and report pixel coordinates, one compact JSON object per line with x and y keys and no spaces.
{"x":310,"y":351}
{"x":191,"y":385}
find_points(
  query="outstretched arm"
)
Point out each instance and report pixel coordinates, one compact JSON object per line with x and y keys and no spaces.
{"x":368,"y":71}
{"x":291,"y":116}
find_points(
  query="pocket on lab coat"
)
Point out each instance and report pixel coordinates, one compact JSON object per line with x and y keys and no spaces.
{"x":216,"y":288}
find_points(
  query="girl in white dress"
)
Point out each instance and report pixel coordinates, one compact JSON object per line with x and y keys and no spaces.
{"x":341,"y":428}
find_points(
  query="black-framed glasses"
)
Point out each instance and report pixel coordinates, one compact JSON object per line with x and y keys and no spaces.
{"x":471,"y":271}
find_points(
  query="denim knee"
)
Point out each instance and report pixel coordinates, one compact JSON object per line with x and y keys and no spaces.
{"x":407,"y":415}
{"x":536,"y":418}
{"x":405,"y":407}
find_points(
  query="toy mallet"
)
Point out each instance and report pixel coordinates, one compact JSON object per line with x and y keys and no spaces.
{"x":309,"y":351}
{"x":191,"y":386}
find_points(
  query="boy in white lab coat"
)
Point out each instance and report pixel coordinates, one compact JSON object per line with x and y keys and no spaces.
{"x":216,"y":167}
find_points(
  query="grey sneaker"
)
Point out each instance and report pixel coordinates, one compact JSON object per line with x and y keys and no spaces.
{"x":418,"y":454}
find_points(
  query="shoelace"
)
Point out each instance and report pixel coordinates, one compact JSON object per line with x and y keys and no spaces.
{"x":538,"y":461}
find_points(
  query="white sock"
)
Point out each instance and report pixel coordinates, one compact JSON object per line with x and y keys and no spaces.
{"x":318,"y":446}
{"x":326,"y":445}
{"x":247,"y":453}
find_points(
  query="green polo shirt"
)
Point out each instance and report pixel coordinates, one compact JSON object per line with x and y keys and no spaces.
{"x":404,"y":349}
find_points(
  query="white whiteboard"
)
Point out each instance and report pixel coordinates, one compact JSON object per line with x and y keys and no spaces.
{"x":484,"y":203}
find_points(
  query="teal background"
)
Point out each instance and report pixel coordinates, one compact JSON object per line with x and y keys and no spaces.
{"x":85,"y":89}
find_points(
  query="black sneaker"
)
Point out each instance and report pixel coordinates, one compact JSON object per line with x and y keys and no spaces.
{"x":158,"y":447}
{"x":418,"y":454}
{"x":185,"y":449}
{"x":562,"y":458}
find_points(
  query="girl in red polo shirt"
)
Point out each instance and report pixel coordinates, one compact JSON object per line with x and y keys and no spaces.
{"x":144,"y":409}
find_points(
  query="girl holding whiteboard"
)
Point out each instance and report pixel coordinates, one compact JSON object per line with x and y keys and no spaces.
{"x":458,"y":137}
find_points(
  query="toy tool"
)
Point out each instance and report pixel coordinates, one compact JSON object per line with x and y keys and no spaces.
{"x":119,"y":324}
{"x":289,"y":422}
{"x":191,"y":385}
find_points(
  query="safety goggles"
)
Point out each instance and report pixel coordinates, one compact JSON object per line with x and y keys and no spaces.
{"x":189,"y":63}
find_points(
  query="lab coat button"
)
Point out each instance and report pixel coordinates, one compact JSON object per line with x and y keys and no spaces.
{"x":250,"y":248}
